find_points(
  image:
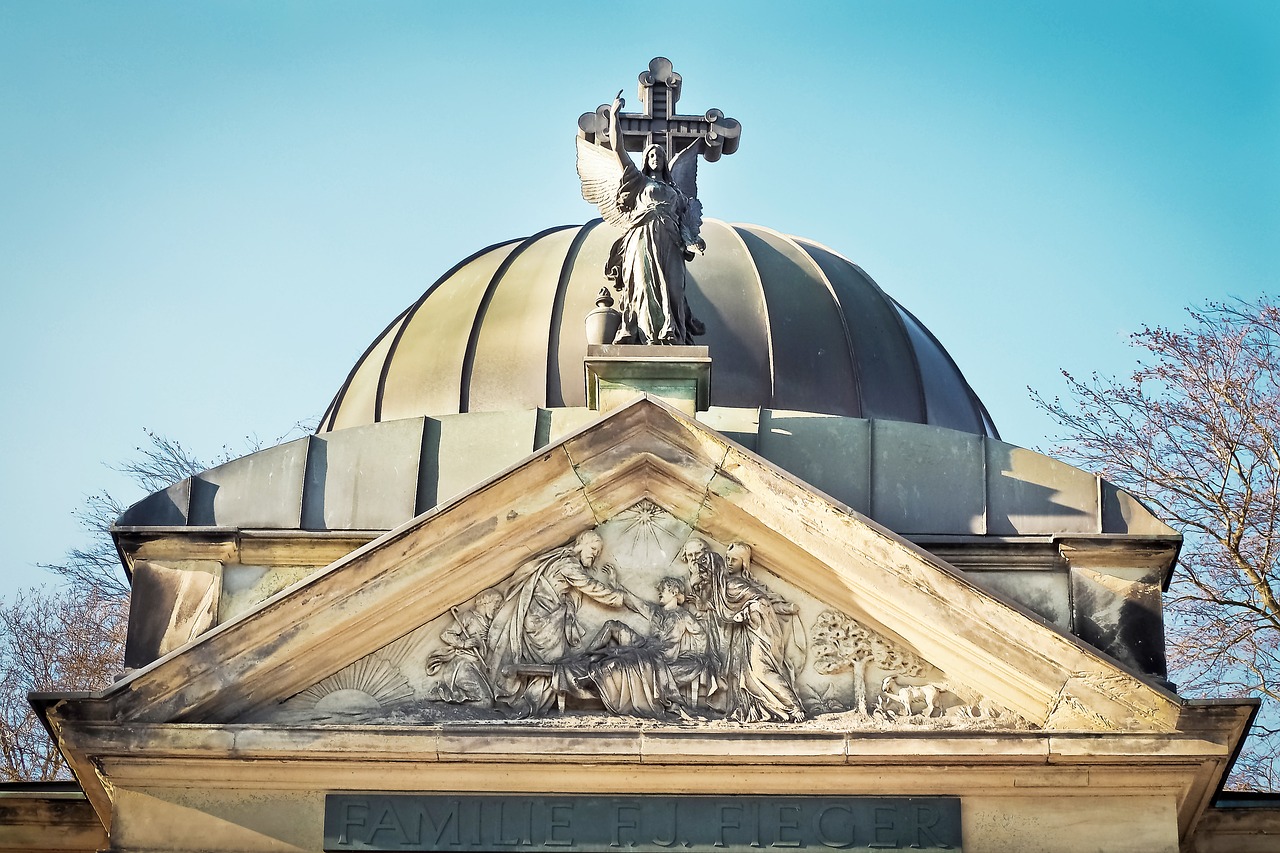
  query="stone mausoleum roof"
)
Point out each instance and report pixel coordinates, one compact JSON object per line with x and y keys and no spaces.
{"x":791,"y":325}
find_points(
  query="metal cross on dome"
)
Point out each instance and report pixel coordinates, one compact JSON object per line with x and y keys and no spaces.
{"x":659,"y":91}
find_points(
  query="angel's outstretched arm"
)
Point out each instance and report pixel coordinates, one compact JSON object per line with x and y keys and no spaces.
{"x":615,"y":137}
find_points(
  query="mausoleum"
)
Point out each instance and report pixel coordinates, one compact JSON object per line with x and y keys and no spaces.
{"x":650,"y":533}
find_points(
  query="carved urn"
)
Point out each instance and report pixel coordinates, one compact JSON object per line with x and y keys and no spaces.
{"x":604,"y":320}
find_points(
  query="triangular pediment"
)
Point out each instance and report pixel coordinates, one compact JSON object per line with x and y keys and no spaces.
{"x":643,"y":616}
{"x":373,"y":623}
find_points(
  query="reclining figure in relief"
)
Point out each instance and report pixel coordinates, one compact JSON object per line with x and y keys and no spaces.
{"x":652,"y":675}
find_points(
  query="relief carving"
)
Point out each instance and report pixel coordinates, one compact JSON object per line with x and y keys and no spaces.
{"x":908,"y":689}
{"x":842,"y":644}
{"x":366,"y":687}
{"x":723,"y":646}
{"x":654,"y":675}
{"x":710,"y":637}
{"x":757,"y":646}
{"x":460,"y":669}
{"x":536,"y":627}
{"x":910,"y":700}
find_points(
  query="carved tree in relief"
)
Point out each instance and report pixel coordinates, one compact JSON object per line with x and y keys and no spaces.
{"x":893,"y":658}
{"x":842,"y":644}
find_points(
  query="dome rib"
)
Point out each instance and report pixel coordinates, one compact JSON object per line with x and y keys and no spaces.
{"x":412,"y":312}
{"x":979,"y":409}
{"x":331,"y":413}
{"x":791,"y":325}
{"x":555,"y":387}
{"x":805,"y":310}
{"x":764,"y":313}
{"x":469,"y":357}
{"x":887,"y":362}
{"x":840,"y":312}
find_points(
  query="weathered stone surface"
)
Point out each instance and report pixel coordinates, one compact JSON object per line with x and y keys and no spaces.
{"x":205,"y":818}
{"x":564,"y":422}
{"x":459,"y":452}
{"x":42,"y":821}
{"x":740,"y":425}
{"x":1116,"y":600}
{"x":825,"y":451}
{"x":1123,"y":513}
{"x":1132,"y":824}
{"x":502,"y":743}
{"x":746,"y":747}
{"x":245,"y":587}
{"x":170,"y":605}
{"x":678,"y":375}
{"x":1044,"y":593}
{"x":1252,"y":829}
{"x":263,"y":489}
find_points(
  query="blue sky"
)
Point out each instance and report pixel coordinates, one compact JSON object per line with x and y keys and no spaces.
{"x":208,"y":210}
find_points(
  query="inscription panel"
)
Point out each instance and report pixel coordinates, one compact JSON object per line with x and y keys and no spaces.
{"x":641,"y":824}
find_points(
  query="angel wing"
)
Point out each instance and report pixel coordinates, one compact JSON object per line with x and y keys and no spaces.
{"x":601,"y":176}
{"x":684,"y":174}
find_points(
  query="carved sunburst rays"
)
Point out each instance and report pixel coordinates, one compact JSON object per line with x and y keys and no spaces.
{"x":648,"y":533}
{"x":375,"y":681}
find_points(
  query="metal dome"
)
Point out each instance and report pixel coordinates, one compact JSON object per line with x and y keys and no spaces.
{"x":790,"y":325}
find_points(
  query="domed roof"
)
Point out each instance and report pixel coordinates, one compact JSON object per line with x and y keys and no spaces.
{"x":790,"y":325}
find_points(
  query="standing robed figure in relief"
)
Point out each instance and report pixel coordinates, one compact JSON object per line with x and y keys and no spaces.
{"x":755,"y":633}
{"x":657,"y":205}
{"x":536,"y":626}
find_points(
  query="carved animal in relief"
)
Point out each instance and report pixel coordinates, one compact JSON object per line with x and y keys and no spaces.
{"x":907,"y":696}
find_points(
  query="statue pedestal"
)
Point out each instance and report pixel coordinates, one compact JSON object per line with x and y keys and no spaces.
{"x":616,"y":373}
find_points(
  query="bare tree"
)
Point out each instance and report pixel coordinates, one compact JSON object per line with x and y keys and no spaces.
{"x":96,"y":566}
{"x":159,"y":463}
{"x":73,"y":638}
{"x":64,"y":639}
{"x":1194,"y":432}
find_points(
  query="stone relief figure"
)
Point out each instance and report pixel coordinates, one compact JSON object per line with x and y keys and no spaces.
{"x":537,"y":626}
{"x":460,"y":668}
{"x":656,"y":203}
{"x":644,"y":675}
{"x":639,"y":674}
{"x":721,"y":645}
{"x":754,"y":627}
{"x":684,"y":642}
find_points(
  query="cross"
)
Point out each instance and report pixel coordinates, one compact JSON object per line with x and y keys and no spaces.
{"x":659,"y":91}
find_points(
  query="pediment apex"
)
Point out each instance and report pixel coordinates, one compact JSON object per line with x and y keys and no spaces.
{"x":642,"y":450}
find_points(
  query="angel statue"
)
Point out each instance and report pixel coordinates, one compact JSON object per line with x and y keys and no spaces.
{"x":657,"y":204}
